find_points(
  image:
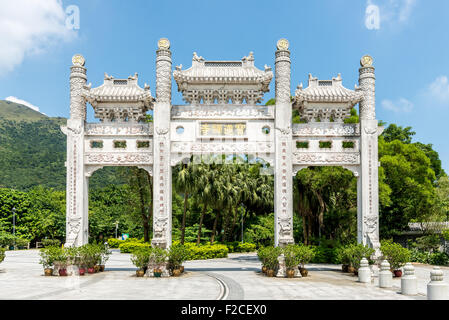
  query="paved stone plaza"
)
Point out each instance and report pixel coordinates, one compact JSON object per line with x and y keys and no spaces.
{"x":235,"y":277}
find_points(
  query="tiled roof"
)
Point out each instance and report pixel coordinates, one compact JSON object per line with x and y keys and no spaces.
{"x":215,"y":72}
{"x":120,"y":90}
{"x":326,"y":91}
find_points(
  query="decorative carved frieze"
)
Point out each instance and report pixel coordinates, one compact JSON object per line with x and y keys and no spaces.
{"x":107,"y":158}
{"x":220,"y":147}
{"x":326,"y":129}
{"x":93,"y":129}
{"x":222,"y":112}
{"x":325,"y":158}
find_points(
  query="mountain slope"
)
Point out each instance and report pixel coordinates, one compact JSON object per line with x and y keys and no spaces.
{"x":33,"y":151}
{"x":17,"y":112}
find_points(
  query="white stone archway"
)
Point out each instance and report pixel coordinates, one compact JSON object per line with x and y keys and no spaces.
{"x":221,"y":116}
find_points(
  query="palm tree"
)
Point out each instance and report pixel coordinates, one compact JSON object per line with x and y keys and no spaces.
{"x":184,"y":182}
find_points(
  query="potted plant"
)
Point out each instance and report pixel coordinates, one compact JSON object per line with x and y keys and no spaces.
{"x":2,"y":254}
{"x":176,"y":256}
{"x":262,"y":255}
{"x":157,"y":259}
{"x":344,"y":255}
{"x":47,"y":259}
{"x":396,"y":255}
{"x":291,"y":259}
{"x":140,"y":258}
{"x":104,"y":254}
{"x":272,"y":261}
{"x":61,"y":261}
{"x":305,"y":254}
{"x":357,"y":252}
{"x":89,"y":258}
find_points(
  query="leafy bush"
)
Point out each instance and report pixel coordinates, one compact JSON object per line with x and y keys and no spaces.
{"x":177,"y":254}
{"x":2,"y":254}
{"x":269,"y":257}
{"x":439,"y":258}
{"x":51,"y":243}
{"x":7,"y":240}
{"x":396,"y":254}
{"x":206,"y":251}
{"x":419,"y":256}
{"x":291,"y":256}
{"x":325,"y":255}
{"x":51,"y":255}
{"x":353,"y":253}
{"x":141,"y":257}
{"x":305,"y":254}
{"x":237,"y":246}
{"x":130,"y":246}
{"x":430,"y":243}
{"x":157,"y":256}
{"x":114,"y":243}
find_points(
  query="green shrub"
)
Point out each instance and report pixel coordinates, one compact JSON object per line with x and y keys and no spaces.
{"x":419,"y":256}
{"x":114,"y":243}
{"x":269,"y":257}
{"x":141,"y":257}
{"x":262,"y":254}
{"x":177,"y":254}
{"x":51,"y":243}
{"x":305,"y":254}
{"x":325,"y":255}
{"x":49,"y":255}
{"x":129,"y":246}
{"x":291,"y":256}
{"x":157,"y":256}
{"x":396,"y":254}
{"x":439,"y":258}
{"x":2,"y":254}
{"x":206,"y":251}
{"x":237,"y":246}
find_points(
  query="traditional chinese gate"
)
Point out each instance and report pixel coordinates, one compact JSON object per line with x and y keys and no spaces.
{"x":222,"y":116}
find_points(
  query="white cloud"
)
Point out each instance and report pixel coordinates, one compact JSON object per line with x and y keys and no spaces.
{"x":29,"y":27}
{"x":20,"y":101}
{"x":439,"y":89}
{"x":399,"y":105}
{"x":390,"y":12}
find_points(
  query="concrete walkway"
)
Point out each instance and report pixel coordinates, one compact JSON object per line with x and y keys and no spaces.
{"x":236,"y":277}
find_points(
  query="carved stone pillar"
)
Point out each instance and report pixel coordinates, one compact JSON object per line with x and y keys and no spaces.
{"x":162,"y":179}
{"x":369,"y":186}
{"x":76,"y":207}
{"x":283,"y":182}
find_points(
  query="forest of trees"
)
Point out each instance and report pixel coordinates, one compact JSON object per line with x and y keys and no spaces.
{"x":212,"y":201}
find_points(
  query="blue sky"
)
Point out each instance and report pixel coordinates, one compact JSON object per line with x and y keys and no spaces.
{"x":409,"y":45}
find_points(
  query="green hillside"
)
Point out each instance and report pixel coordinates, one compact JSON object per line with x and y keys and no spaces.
{"x":17,"y":112}
{"x":33,"y":151}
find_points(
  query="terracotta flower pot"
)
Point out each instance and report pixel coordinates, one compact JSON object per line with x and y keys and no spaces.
{"x":63,"y":272}
{"x":344,"y":268}
{"x":48,"y":272}
{"x":351,"y":269}
{"x":90,"y":270}
{"x":290,"y":273}
{"x":97,"y":268}
{"x":304,"y":272}
{"x":101,"y":267}
{"x":140,"y":273}
{"x":176,"y":272}
{"x":182,"y":269}
{"x":82,"y":271}
{"x":397,"y":273}
{"x":270,"y":273}
{"x":264,"y":269}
